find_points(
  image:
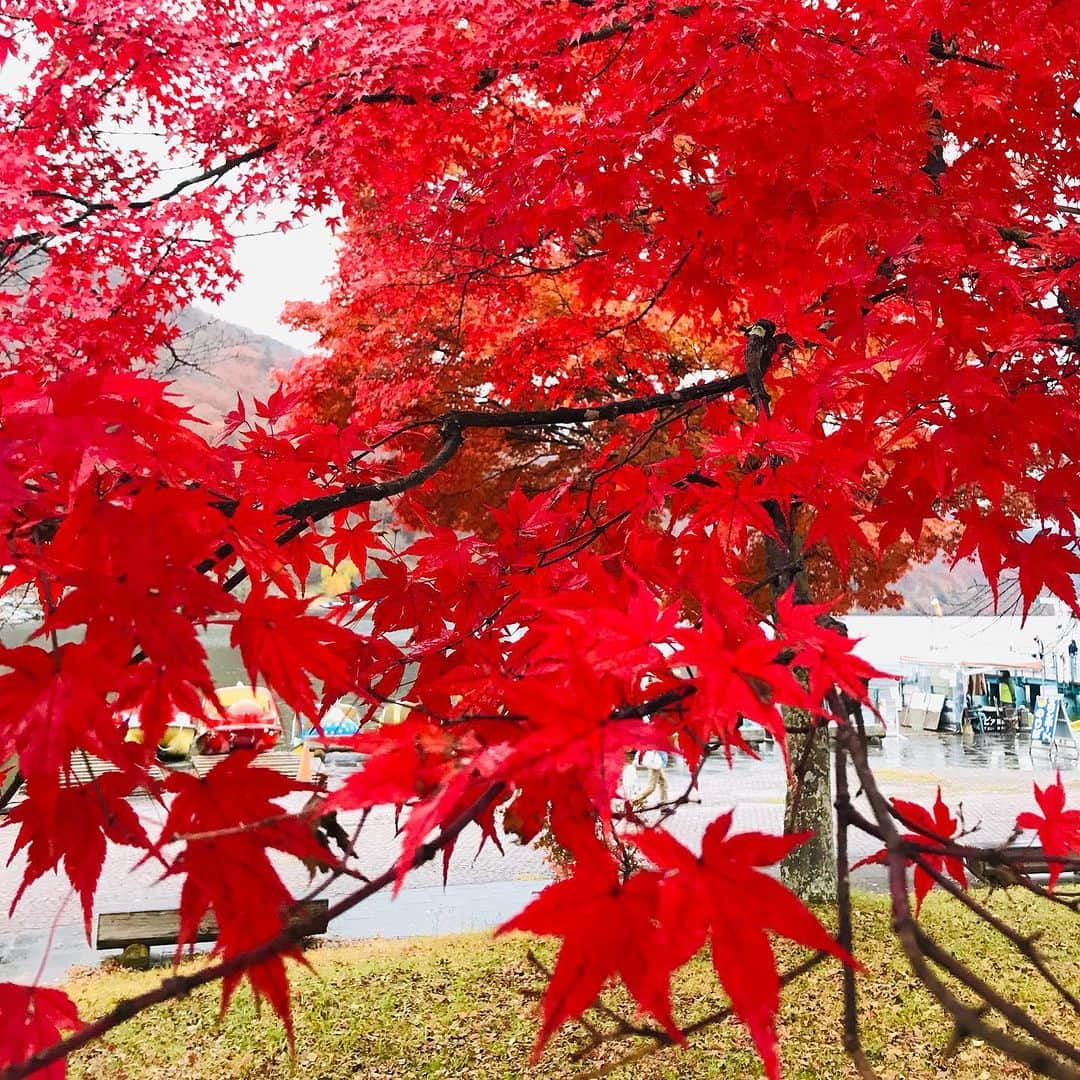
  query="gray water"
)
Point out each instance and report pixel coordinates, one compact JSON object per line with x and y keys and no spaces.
{"x":925,"y":752}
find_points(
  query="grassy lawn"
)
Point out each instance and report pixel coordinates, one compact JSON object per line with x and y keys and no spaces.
{"x":465,"y":1007}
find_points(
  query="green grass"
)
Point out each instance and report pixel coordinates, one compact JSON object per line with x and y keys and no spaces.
{"x":465,"y":1007}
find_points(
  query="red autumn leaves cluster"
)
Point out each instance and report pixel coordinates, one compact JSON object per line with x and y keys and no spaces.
{"x":929,"y":830}
{"x":645,"y":928}
{"x":541,"y":207}
{"x":1058,"y":829}
{"x":936,"y":848}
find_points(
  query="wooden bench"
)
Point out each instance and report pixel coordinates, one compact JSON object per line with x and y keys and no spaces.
{"x":1026,"y":860}
{"x":119,"y":929}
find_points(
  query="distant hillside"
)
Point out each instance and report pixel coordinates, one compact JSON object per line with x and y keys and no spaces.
{"x":960,"y":591}
{"x":215,"y":360}
{"x":963,"y":590}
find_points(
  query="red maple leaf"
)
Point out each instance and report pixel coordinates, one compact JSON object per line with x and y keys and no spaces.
{"x":228,"y":821}
{"x":436,"y":771}
{"x":404,"y":762}
{"x":52,"y":701}
{"x":721,"y":896}
{"x":234,"y":419}
{"x":1048,"y":562}
{"x":738,"y":674}
{"x":276,"y":406}
{"x":940,"y":825}
{"x":643,"y":929}
{"x":72,"y":828}
{"x":279,"y":640}
{"x":31,"y":1019}
{"x":609,"y":929}
{"x":827,"y":655}
{"x":1058,"y":828}
{"x":401,"y":599}
{"x":991,"y":535}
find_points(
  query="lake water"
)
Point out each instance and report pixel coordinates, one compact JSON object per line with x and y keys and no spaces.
{"x":885,"y":641}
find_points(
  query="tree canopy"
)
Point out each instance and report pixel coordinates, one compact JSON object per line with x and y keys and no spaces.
{"x":751,"y":280}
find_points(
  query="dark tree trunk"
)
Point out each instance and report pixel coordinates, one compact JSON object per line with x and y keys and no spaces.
{"x":810,"y":870}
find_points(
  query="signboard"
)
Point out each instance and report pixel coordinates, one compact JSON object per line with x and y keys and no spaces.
{"x":1050,"y":725}
{"x":1042,"y":725}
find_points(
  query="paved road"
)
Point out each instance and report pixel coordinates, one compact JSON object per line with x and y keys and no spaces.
{"x":990,"y":776}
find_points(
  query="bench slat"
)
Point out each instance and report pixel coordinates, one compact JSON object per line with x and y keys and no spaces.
{"x":1027,"y":860}
{"x":117,"y":930}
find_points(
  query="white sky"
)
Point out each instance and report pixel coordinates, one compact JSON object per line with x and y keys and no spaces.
{"x":278,"y":267}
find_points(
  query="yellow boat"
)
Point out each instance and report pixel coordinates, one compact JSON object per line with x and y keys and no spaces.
{"x":176,"y":741}
{"x":245,"y":718}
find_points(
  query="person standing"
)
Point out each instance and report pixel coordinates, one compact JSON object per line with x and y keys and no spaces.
{"x":654,"y":761}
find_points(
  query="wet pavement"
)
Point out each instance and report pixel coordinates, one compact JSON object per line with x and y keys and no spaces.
{"x":991,"y":776}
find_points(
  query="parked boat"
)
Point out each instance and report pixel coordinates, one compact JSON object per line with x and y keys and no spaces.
{"x":176,"y":741}
{"x":343,"y":721}
{"x":335,"y":731}
{"x":249,"y":721}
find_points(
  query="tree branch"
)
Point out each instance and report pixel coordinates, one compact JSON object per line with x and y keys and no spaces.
{"x":1040,"y":1054}
{"x":455,"y":423}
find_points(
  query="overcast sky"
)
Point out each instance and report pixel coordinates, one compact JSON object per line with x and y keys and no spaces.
{"x":278,"y":267}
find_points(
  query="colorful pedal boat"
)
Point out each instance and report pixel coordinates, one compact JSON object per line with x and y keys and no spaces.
{"x":250,"y":721}
{"x":176,"y":741}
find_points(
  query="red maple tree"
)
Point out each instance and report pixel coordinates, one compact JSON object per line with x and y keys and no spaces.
{"x":774,"y":276}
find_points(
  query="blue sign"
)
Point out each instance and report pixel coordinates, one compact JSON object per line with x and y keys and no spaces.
{"x":1042,"y":724}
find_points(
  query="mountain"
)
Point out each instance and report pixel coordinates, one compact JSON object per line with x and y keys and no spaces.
{"x":960,"y":590}
{"x":936,"y":588}
{"x":212,"y":361}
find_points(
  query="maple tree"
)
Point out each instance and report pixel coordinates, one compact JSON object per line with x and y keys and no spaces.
{"x":489,"y":467}
{"x":762,"y":280}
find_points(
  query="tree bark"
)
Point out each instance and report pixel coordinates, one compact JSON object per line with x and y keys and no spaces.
{"x":810,"y":870}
